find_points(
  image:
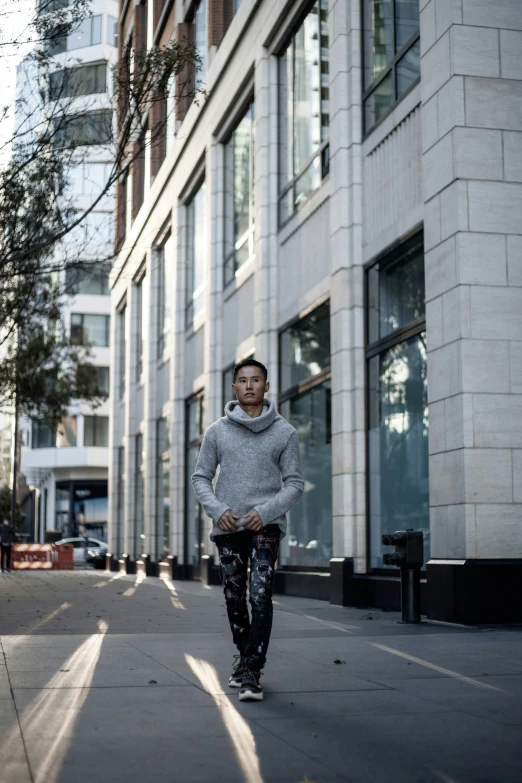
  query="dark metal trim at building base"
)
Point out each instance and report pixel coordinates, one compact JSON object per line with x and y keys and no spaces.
{"x":475,"y":592}
{"x":303,"y":584}
{"x":129,"y":565}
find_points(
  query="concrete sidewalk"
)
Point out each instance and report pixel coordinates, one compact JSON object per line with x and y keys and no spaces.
{"x":109,"y":678}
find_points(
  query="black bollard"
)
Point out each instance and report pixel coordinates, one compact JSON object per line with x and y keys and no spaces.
{"x":409,"y":557}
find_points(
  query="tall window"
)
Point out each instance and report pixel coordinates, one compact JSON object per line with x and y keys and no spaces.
{"x":305,"y":401}
{"x":90,"y":329}
{"x":164,"y":294}
{"x":239,"y":196}
{"x":95,"y":430}
{"x":397,"y":396}
{"x":48,"y":436}
{"x":200,"y":39}
{"x":139,"y":523}
{"x":122,"y":348}
{"x":112,"y":31}
{"x":196,"y":253}
{"x":140,"y":293}
{"x":194,"y":541}
{"x":121,"y":501}
{"x":74,"y":82}
{"x":88,"y":279}
{"x":391,"y":55}
{"x":304,"y":111}
{"x":163,"y":489}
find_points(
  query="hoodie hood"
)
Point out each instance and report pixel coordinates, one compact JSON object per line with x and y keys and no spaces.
{"x":236,"y":414}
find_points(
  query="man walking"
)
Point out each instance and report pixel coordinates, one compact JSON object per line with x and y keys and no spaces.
{"x":7,"y":537}
{"x":259,"y":480}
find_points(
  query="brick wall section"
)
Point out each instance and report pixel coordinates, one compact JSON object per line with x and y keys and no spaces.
{"x":185,"y":79}
{"x":220,"y":13}
{"x":138,"y":175}
{"x":158,"y":134}
{"x":121,"y":210}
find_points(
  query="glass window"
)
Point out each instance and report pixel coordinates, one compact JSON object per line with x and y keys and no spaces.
{"x":88,"y":279}
{"x":239,"y":196}
{"x":121,"y":501}
{"x":102,"y":379}
{"x":391,"y":55}
{"x":164,"y":294}
{"x":139,"y":538}
{"x":66,"y":432}
{"x":305,"y":347}
{"x":43,"y":435}
{"x":95,"y":430}
{"x":197,"y":253}
{"x":309,"y":539}
{"x":194,"y":540}
{"x":112,"y":31}
{"x":90,"y":329}
{"x":90,"y":510}
{"x":397,"y":398}
{"x":74,"y":82}
{"x":304,"y":111}
{"x":139,"y":327}
{"x":83,"y":129}
{"x":200,"y":40}
{"x":228,"y":380}
{"x":122,"y":348}
{"x":88,"y":33}
{"x":163,"y":488}
{"x":305,"y":355}
{"x":396,"y":291}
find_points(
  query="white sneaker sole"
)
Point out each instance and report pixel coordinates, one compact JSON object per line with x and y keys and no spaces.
{"x":251,"y":696}
{"x":232,"y":684}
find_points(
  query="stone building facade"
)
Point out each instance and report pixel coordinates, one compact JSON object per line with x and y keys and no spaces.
{"x":346,"y":205}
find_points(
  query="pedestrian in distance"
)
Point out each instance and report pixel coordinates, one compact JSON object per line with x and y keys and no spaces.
{"x":260,"y":479}
{"x":7,"y":537}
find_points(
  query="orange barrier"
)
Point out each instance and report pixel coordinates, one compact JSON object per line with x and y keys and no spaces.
{"x":42,"y":557}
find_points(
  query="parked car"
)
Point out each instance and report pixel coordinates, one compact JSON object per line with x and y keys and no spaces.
{"x":96,"y":557}
{"x":82,"y":545}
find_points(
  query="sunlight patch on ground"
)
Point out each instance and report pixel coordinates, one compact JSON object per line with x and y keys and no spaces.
{"x":237,"y":727}
{"x":176,"y":603}
{"x":436,"y":668}
{"x":15,"y":640}
{"x":131,"y":590}
{"x":57,"y":708}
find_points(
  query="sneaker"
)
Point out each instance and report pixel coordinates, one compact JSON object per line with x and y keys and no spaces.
{"x":238,"y":669}
{"x":251,"y":689}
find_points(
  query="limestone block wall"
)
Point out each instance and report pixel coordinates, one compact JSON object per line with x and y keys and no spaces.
{"x":472,"y":188}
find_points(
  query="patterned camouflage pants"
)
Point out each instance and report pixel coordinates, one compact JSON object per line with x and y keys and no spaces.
{"x":236,"y":550}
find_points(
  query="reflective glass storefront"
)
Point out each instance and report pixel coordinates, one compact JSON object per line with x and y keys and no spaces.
{"x":194,"y":515}
{"x":82,"y":508}
{"x":305,"y":401}
{"x":397,"y":398}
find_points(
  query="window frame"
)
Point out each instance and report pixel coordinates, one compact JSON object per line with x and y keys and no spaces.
{"x":139,"y":473}
{"x":190,"y":246}
{"x":95,"y":419}
{"x":390,"y":67}
{"x":82,"y":326}
{"x":248,"y":236}
{"x":389,"y":257}
{"x":322,"y":153}
{"x":297,"y":390}
{"x":199,"y":398}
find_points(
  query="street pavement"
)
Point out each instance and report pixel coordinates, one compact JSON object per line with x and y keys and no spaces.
{"x":109,"y":678}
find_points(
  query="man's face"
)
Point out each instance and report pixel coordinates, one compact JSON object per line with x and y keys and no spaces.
{"x":250,"y":386}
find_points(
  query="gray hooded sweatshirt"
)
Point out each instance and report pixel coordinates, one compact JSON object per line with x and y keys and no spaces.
{"x":259,"y":466}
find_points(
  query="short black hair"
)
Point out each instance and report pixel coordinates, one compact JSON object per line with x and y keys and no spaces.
{"x":250,"y":363}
